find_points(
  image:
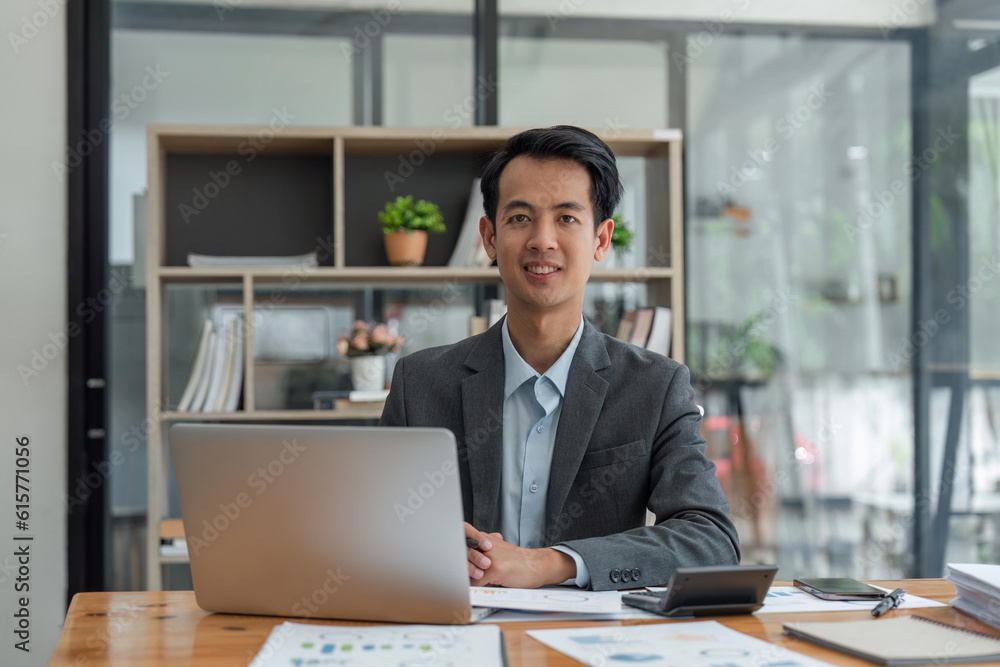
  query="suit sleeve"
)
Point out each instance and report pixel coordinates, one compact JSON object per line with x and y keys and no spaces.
{"x":394,"y":413}
{"x":692,"y":527}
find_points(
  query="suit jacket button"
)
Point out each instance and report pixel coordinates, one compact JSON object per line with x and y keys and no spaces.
{"x":626,"y":574}
{"x":635,"y":574}
{"x":616,"y":576}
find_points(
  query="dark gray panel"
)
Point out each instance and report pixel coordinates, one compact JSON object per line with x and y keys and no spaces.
{"x":126,"y":395}
{"x":274,"y":205}
{"x":445,"y":180}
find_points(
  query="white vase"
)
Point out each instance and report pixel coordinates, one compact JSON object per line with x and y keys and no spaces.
{"x":368,"y":373}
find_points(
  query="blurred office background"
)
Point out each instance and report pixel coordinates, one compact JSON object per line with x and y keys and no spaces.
{"x":842,"y":222}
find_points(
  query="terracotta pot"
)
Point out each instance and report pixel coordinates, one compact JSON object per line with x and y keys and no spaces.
{"x":405,"y":248}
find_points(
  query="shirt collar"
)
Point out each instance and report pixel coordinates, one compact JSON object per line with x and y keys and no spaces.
{"x":517,"y":371}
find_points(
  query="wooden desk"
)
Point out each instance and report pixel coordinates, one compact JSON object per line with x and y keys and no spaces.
{"x":168,"y":628}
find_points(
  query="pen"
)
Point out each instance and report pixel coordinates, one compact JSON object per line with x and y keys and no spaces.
{"x":888,"y":602}
{"x":471,"y":543}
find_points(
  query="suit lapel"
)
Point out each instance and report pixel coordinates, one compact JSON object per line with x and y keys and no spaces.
{"x":482,"y":411}
{"x":585,"y":391}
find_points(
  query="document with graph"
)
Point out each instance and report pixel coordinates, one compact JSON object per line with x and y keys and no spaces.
{"x":697,"y":644}
{"x":546,"y":599}
{"x":300,"y":644}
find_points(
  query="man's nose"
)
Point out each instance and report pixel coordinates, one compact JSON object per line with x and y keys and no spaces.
{"x":543,"y":236}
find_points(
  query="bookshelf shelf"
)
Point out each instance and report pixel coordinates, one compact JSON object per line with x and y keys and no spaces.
{"x":318,"y":189}
{"x":172,"y":560}
{"x":353,"y":412}
{"x":175,"y":275}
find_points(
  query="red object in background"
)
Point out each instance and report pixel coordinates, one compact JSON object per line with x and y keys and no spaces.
{"x":742,"y":460}
{"x":716,"y":423}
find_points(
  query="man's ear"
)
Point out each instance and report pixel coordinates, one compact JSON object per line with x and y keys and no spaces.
{"x":603,"y":238}
{"x":489,"y":236}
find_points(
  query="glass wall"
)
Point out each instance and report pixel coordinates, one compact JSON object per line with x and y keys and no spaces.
{"x":598,"y":83}
{"x":965,"y":414}
{"x":428,"y":81}
{"x":798,"y":238}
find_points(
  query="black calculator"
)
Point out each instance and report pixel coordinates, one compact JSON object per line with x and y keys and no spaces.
{"x":708,"y":591}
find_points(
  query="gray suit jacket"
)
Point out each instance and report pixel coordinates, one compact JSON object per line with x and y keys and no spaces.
{"x":628,"y":438}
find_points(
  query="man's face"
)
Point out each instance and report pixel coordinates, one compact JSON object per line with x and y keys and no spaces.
{"x":544,"y":239}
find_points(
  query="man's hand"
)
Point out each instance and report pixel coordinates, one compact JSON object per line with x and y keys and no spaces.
{"x":515,"y":567}
{"x":478,"y":561}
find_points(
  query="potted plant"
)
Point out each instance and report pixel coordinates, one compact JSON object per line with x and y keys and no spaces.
{"x":366,"y":347}
{"x":621,"y":244}
{"x":621,"y":237}
{"x":405,"y":226}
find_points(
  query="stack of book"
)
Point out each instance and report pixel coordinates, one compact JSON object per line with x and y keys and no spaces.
{"x":479,"y":324}
{"x":978,"y":588}
{"x":341,"y":399}
{"x":648,"y":328}
{"x":172,"y":542}
{"x":215,"y":382}
{"x":307,"y":260}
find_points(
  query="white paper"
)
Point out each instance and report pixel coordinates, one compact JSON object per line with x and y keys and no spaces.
{"x":623,"y":613}
{"x":975,"y":575}
{"x":547,"y":599}
{"x":983,"y":612}
{"x":627,"y":613}
{"x":294,"y":644}
{"x":792,"y":600}
{"x":789,"y":599}
{"x":706,"y":643}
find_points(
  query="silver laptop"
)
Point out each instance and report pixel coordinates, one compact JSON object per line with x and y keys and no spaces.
{"x":323,"y":521}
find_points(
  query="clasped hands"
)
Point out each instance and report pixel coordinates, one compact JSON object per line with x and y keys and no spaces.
{"x":500,"y":563}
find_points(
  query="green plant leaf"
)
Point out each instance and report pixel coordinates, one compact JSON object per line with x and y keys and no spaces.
{"x":621,"y":236}
{"x":403,"y":214}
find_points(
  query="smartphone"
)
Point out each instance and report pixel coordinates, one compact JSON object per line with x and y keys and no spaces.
{"x":840,"y":588}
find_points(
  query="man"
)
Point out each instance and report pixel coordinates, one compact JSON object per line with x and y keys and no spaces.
{"x":565,"y":435}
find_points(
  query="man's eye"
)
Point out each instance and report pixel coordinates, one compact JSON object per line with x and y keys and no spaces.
{"x":567,"y":218}
{"x":518,"y":217}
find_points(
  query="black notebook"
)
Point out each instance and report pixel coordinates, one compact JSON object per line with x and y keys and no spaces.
{"x":904,"y":640}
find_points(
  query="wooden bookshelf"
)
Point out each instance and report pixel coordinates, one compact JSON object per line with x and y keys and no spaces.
{"x":378,"y":275}
{"x":310,"y":188}
{"x":359,"y":411}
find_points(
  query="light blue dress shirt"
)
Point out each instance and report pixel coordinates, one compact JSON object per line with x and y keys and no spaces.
{"x":531,"y":408}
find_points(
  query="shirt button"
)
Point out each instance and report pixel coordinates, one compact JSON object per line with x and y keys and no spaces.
{"x":540,"y":428}
{"x":533,"y":488}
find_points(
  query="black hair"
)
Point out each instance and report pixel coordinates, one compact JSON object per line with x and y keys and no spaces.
{"x":565,"y":142}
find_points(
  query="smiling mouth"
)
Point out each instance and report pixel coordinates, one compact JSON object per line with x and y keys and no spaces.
{"x":541,"y":270}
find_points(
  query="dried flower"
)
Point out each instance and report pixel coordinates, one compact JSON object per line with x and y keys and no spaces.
{"x":368,"y":339}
